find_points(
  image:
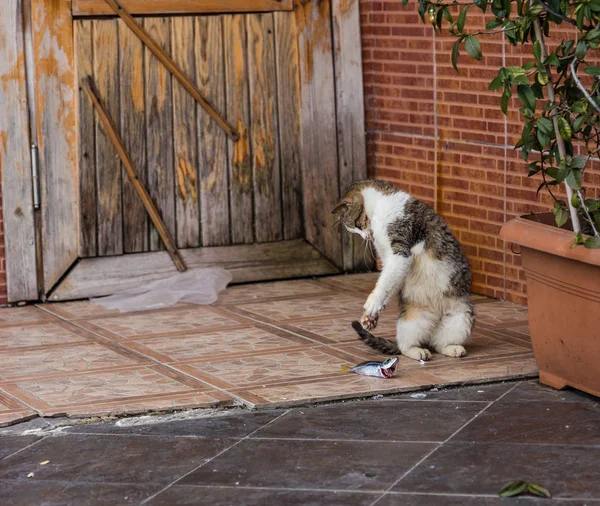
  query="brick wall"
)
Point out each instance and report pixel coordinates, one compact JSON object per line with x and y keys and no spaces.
{"x":442,"y":137}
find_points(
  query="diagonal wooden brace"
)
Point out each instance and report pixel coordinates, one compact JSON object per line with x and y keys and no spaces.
{"x":115,"y":138}
{"x":172,"y":67}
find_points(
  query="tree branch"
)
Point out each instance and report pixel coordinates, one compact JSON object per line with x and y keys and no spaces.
{"x":548,"y":9}
{"x":585,"y":92}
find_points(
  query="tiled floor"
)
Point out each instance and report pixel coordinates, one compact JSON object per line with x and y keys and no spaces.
{"x":451,"y":447}
{"x":262,"y":345}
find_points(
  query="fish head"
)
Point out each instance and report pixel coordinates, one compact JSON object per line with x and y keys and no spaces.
{"x":388,"y":368}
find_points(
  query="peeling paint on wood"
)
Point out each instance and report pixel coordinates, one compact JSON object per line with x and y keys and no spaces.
{"x":55,"y":96}
{"x":318,"y":127}
{"x":19,"y":231}
{"x":133,"y":132}
{"x":350,"y":113}
{"x":264,"y":128}
{"x":185,"y":136}
{"x":212,"y":139}
{"x":240,"y":161}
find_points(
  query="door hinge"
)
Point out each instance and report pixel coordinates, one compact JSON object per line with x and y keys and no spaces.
{"x":35,"y":176}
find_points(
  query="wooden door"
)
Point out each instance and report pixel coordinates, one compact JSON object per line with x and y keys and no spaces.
{"x":287,"y":76}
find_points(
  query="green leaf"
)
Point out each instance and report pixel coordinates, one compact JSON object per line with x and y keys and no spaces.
{"x":447,"y":15}
{"x":561,"y":216}
{"x":581,"y":49}
{"x":528,"y":65}
{"x":526,"y":96}
{"x":578,"y":106}
{"x":564,"y":128}
{"x":538,"y":490}
{"x":592,"y":71}
{"x":577,"y":123}
{"x":537,"y":90}
{"x":574,"y":179}
{"x":496,"y":83}
{"x":455,"y":53}
{"x":504,"y":100}
{"x":482,"y":4}
{"x":552,"y":60}
{"x":513,"y":488}
{"x":556,"y":173}
{"x":534,"y":168}
{"x":543,"y":138}
{"x":460,"y":22}
{"x":579,"y":18}
{"x":493,"y":23}
{"x":542,"y":76}
{"x":537,"y":50}
{"x":592,"y":205}
{"x":472,"y":46}
{"x":545,"y":125}
{"x":578,"y":162}
{"x":592,"y":243}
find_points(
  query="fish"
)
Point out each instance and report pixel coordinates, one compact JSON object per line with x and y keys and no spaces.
{"x":385,"y":369}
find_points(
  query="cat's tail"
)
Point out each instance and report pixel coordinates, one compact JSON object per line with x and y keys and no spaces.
{"x":384,"y":346}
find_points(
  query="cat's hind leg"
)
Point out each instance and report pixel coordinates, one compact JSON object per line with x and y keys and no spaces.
{"x":454,"y":330}
{"x":414,"y":328}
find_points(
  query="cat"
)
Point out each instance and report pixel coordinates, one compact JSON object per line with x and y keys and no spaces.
{"x":423,"y":264}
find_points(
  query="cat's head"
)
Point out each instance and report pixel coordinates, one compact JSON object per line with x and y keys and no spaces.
{"x":350,"y":212}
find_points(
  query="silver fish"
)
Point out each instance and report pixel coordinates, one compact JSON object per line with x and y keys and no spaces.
{"x":385,"y":369}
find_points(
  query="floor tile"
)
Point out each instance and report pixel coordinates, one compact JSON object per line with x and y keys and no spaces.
{"x":384,"y":421}
{"x":77,"y":309}
{"x":568,"y":423}
{"x":45,"y":333}
{"x":268,"y":368}
{"x":48,"y":493}
{"x":23,"y":363}
{"x":235,"y":425}
{"x":13,"y":411}
{"x":299,"y":308}
{"x":280,"y":289}
{"x":533,"y":391}
{"x":123,"y":459}
{"x":236,"y":496}
{"x":12,"y":444}
{"x":461,"y":468}
{"x":501,"y":313}
{"x":345,"y":465}
{"x":164,"y":322}
{"x":354,"y":282}
{"x":464,"y":500}
{"x":118,"y":390}
{"x":478,"y":393}
{"x":215,"y":344}
{"x":21,"y":315}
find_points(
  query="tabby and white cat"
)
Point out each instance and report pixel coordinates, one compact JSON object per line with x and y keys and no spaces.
{"x":423,"y":264}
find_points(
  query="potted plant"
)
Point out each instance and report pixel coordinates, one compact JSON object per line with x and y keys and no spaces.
{"x":559,"y":91}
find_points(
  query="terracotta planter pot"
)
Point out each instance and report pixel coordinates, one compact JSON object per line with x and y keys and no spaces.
{"x":563,"y":294}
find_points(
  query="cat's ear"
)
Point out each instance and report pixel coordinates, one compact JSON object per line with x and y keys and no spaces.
{"x":341,"y":207}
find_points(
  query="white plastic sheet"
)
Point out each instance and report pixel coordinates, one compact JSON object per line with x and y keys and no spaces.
{"x":199,"y":286}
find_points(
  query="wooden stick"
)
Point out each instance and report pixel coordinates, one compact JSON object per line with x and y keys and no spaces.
{"x":172,"y":67}
{"x":115,"y":138}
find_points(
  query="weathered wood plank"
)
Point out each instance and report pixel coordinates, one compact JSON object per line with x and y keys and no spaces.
{"x":99,"y":7}
{"x":253,"y":262}
{"x":133,"y":133}
{"x":288,"y":95}
{"x":350,"y":112}
{"x":56,"y":117}
{"x":318,"y":126}
{"x":184,"y":138}
{"x":15,"y":160}
{"x":159,"y":128}
{"x":212,"y":152}
{"x":264,"y":128}
{"x":108,"y":167}
{"x":240,"y":164}
{"x":110,"y":128}
{"x":87,"y":143}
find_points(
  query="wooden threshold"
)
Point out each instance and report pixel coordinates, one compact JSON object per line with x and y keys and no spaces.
{"x":160,"y":7}
{"x":94,"y":277}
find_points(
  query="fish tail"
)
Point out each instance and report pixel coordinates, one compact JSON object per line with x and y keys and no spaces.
{"x":346,"y":368}
{"x":384,"y":346}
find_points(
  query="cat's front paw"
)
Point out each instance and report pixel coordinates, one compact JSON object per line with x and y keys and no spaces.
{"x":369,"y":322}
{"x":373,"y":306}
